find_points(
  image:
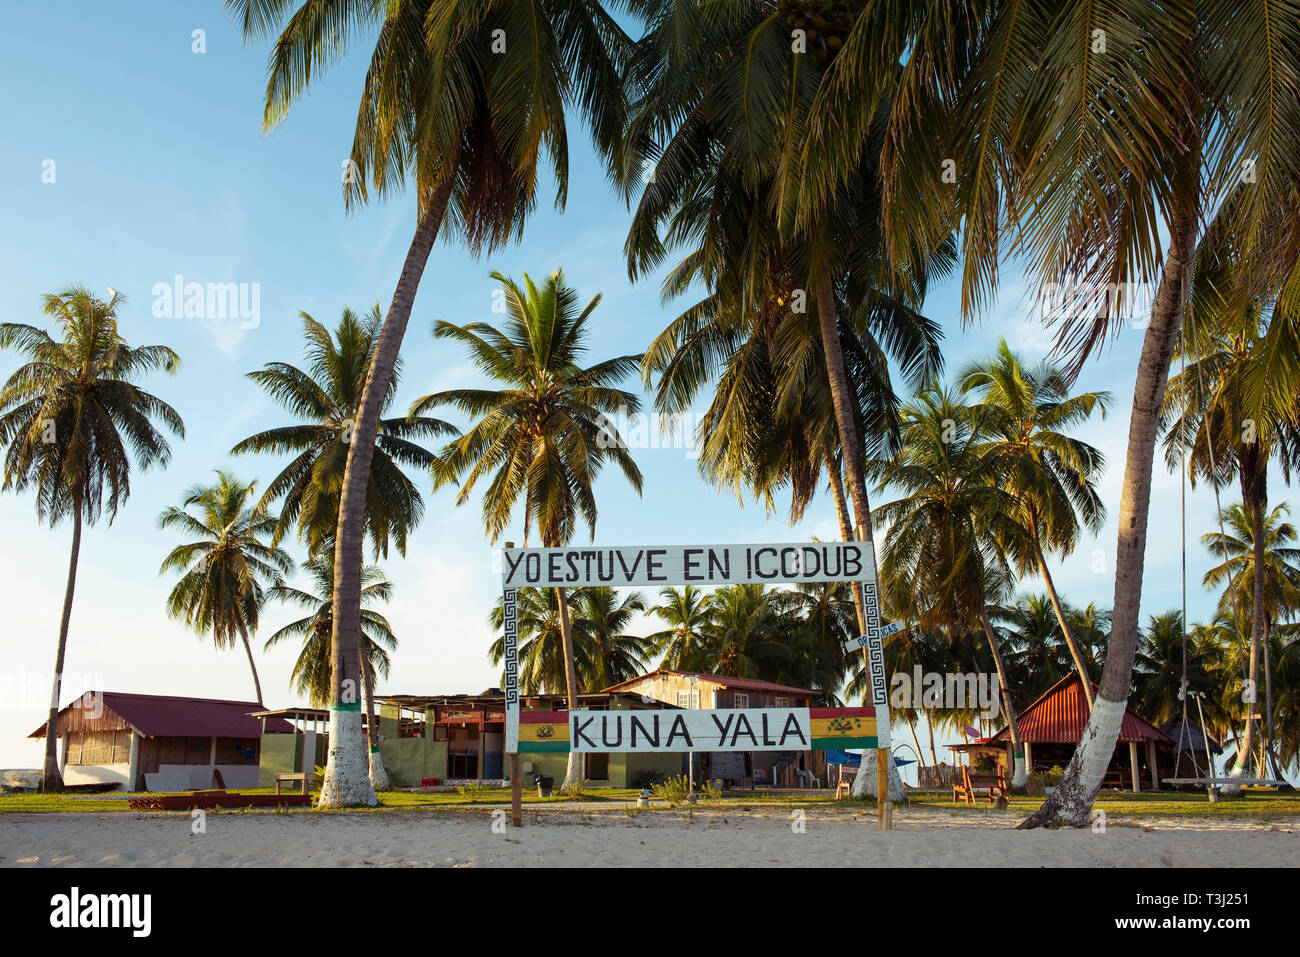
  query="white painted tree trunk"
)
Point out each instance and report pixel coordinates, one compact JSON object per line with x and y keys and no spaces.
{"x":1019,"y":773}
{"x":864,"y":785}
{"x":1074,"y":795}
{"x":378,"y":775}
{"x":573,"y":770}
{"x":347,"y":772}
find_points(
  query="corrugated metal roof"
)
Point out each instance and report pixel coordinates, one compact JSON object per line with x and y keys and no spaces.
{"x":157,"y":716}
{"x":1060,"y":715}
{"x":723,"y":680}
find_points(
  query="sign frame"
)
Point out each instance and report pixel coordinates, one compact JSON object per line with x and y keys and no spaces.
{"x":702,"y":565}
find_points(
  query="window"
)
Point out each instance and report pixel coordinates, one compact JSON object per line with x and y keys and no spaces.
{"x":688,"y":699}
{"x":780,"y":702}
{"x":740,"y":700}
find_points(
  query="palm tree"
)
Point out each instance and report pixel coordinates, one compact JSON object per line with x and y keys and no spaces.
{"x":1158,"y":675}
{"x":465,"y":97}
{"x":946,"y":533}
{"x":686,"y":611}
{"x":604,"y":654}
{"x":1032,"y":634}
{"x":1027,"y":413}
{"x":541,"y":642}
{"x":73,"y":419}
{"x":1286,"y":702}
{"x":1260,"y":570}
{"x":546,"y":435}
{"x":1098,"y":141}
{"x":228,"y":565}
{"x":1223,"y":425}
{"x":312,"y":671}
{"x":327,"y":397}
{"x":746,"y":636}
{"x":791,"y":314}
{"x":601,"y":623}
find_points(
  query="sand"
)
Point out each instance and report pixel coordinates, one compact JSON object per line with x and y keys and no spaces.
{"x":923,"y":837}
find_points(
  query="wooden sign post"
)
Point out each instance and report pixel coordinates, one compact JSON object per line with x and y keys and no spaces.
{"x":706,"y":566}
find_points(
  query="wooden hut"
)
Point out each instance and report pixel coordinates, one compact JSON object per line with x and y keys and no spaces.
{"x":1051,"y":727}
{"x":146,"y":742}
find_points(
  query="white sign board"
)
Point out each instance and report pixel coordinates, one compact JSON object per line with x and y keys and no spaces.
{"x":737,"y":729}
{"x":687,"y":565}
{"x":703,"y":565}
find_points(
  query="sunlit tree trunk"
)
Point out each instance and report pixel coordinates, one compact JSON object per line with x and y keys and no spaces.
{"x":51,"y":778}
{"x":573,"y":772}
{"x":378,"y":775}
{"x":1071,"y":803}
{"x":1066,"y":631}
{"x":347,"y":772}
{"x":846,"y":534}
{"x":851,"y":447}
{"x":1019,"y":774}
{"x":252,"y":665}
{"x":1253,"y":498}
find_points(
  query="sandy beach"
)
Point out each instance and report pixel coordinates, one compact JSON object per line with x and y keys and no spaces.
{"x":923,"y":837}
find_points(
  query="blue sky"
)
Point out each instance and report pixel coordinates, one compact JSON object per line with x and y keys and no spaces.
{"x":161,"y":168}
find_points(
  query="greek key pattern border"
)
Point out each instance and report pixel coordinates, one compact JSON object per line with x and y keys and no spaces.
{"x":510,"y":621}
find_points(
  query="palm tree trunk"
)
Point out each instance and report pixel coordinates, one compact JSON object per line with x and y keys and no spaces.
{"x":1065,"y":625}
{"x":911,"y":726}
{"x":934,"y":757}
{"x":1019,"y":774}
{"x":573,"y":772}
{"x":1252,"y":498}
{"x":1272,"y":769}
{"x":1071,"y":803}
{"x":51,"y":777}
{"x":378,"y":775}
{"x":846,"y":534}
{"x":842,"y":400}
{"x":851,"y":449}
{"x":347,"y":774}
{"x":252,"y":665}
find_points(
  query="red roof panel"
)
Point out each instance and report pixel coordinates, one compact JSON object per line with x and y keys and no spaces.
{"x":156,"y":716}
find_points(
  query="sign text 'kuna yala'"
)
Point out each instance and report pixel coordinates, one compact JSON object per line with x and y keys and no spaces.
{"x":723,"y":729}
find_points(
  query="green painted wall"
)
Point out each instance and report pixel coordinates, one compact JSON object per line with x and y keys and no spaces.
{"x":278,"y":755}
{"x":408,"y":761}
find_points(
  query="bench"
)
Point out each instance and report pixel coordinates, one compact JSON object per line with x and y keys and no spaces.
{"x":965,"y":786}
{"x":299,"y":776}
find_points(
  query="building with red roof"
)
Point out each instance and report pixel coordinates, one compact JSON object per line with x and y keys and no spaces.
{"x":161,"y":742}
{"x":1051,"y":727}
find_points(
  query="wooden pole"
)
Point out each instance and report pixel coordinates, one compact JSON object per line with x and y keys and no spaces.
{"x":516,"y":792}
{"x":884,"y":807}
{"x":516,"y":795}
{"x":1133,"y":764}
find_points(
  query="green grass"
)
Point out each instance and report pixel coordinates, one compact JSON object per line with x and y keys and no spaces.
{"x":1253,"y":805}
